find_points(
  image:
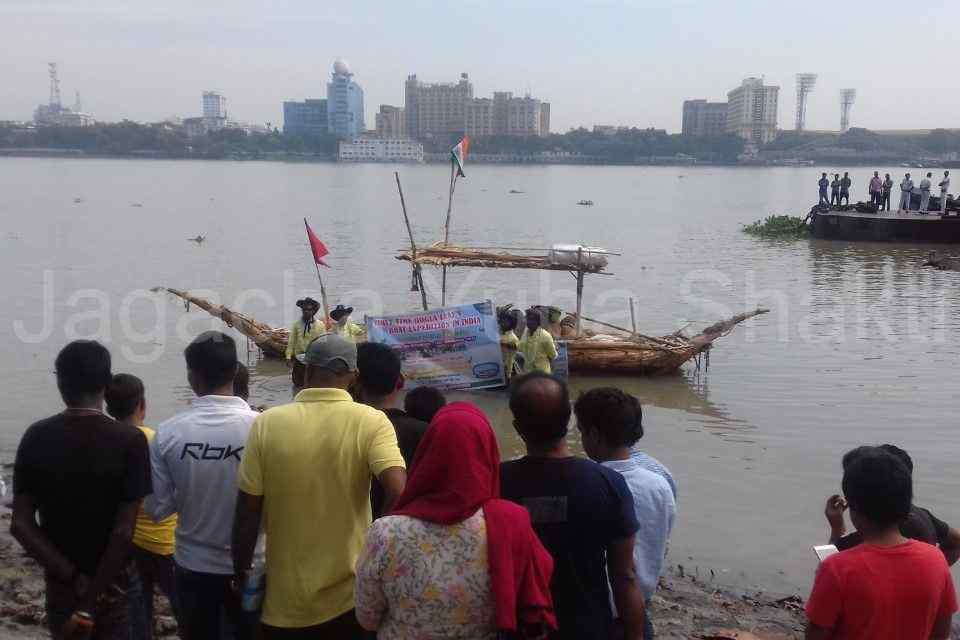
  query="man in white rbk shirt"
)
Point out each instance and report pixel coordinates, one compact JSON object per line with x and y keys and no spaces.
{"x":195,"y":456}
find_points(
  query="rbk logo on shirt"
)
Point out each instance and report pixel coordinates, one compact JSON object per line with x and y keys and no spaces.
{"x":204,"y":451}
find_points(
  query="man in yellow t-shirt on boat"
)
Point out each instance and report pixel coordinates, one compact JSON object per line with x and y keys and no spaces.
{"x":344,"y":328}
{"x":302,"y":333}
{"x":537,"y":346}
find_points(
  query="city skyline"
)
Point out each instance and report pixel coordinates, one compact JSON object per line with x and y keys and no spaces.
{"x":143,"y":62}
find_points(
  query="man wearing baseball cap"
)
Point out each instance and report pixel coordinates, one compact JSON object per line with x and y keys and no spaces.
{"x":306,"y":473}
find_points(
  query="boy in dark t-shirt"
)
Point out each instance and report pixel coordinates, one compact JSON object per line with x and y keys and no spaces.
{"x":85,"y":475}
{"x":582,"y":512}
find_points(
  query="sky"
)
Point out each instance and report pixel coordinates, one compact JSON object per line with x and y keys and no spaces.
{"x":612,"y":63}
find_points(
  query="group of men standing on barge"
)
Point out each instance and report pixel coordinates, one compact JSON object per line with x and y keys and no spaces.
{"x":880,"y":189}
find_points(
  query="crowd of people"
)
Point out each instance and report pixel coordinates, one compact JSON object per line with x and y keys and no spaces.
{"x":372,"y":520}
{"x":879,"y":190}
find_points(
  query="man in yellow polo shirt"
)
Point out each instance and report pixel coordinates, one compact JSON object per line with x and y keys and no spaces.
{"x":153,"y":541}
{"x":344,"y":327}
{"x":537,"y":346}
{"x":305,"y":473}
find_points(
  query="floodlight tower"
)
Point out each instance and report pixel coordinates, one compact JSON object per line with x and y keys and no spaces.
{"x":54,"y":84}
{"x":805,"y":84}
{"x":847,"y":98}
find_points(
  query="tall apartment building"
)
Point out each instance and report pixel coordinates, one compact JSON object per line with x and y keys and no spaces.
{"x":544,"y":118}
{"x":306,"y":118}
{"x":344,"y":102}
{"x":702,"y":118}
{"x":752,"y":111}
{"x":391,"y":123}
{"x":214,"y":110}
{"x":438,"y":108}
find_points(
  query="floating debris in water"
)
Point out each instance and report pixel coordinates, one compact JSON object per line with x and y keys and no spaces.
{"x":198,"y":239}
{"x":778,"y":227}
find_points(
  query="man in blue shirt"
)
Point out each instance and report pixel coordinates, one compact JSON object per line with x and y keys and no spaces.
{"x":582,"y":512}
{"x":610,"y":423}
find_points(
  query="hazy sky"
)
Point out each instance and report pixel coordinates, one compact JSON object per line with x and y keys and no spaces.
{"x":622,"y":63}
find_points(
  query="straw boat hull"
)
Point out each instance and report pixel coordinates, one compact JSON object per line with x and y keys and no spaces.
{"x":643,"y":356}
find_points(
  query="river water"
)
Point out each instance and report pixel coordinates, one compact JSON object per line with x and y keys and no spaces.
{"x":860,"y":347}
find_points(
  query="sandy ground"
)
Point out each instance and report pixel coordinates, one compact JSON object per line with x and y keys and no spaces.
{"x":684,"y":607}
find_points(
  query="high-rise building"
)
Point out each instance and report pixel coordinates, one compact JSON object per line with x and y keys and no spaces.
{"x":306,"y":118}
{"x":344,"y":102}
{"x":702,"y":118}
{"x":214,"y":105}
{"x":544,"y":118}
{"x":752,"y":111}
{"x":436,"y":109}
{"x":391,"y":123}
{"x":522,"y":115}
{"x":479,"y":118}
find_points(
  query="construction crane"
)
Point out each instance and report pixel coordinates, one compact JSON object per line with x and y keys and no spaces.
{"x":847,"y":98}
{"x":805,"y":84}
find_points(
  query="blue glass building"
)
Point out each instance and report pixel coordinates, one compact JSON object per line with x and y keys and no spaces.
{"x":344,"y":103}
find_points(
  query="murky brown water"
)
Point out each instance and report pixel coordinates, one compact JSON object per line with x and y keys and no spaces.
{"x":861,"y":346}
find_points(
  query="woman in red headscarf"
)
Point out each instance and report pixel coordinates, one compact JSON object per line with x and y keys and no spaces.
{"x":453,"y":560}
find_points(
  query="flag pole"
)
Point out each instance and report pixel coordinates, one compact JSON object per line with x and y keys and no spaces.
{"x":417,"y":273}
{"x":323,"y":297}
{"x":446,"y":232}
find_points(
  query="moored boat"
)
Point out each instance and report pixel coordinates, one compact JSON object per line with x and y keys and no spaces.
{"x":594,"y":353}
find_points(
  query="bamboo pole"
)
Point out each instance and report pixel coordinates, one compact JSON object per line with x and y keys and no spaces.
{"x":323,"y":298}
{"x":579,"y":288}
{"x":417,"y":274}
{"x":633,"y":318}
{"x":446,"y":232}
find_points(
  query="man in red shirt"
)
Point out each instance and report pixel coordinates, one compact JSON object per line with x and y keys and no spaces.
{"x":889,"y":587}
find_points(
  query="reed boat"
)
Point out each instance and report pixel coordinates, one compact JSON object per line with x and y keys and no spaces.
{"x":621,"y":353}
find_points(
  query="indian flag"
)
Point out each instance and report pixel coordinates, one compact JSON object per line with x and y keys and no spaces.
{"x":459,"y":155}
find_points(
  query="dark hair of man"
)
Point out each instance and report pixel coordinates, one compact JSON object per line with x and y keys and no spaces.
{"x":423,"y":403}
{"x":615,"y":415}
{"x":213,"y":357}
{"x":509,"y":320}
{"x":83,"y":370}
{"x":899,"y":454}
{"x":241,"y":381}
{"x":540,"y":416}
{"x":124,"y":394}
{"x":878,"y":486}
{"x":378,"y":368}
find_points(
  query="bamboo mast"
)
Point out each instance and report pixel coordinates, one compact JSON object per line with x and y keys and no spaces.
{"x":417,"y":273}
{"x":446,"y":232}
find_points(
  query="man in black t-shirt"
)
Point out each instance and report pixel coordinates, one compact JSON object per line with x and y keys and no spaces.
{"x":919,"y":524}
{"x":85,"y":475}
{"x":582,"y":512}
{"x":379,"y":383}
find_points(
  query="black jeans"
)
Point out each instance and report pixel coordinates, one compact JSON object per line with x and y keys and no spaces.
{"x":885,"y":201}
{"x":343,"y":627}
{"x":111,"y":615}
{"x":153,"y":569}
{"x":209,"y":608}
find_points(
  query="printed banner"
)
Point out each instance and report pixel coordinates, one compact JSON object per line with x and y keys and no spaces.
{"x":451,"y":348}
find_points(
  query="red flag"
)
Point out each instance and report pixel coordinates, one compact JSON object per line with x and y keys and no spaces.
{"x":316,"y":245}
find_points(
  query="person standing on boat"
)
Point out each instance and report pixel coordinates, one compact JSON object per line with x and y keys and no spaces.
{"x":925,"y":184}
{"x":302,"y":334}
{"x":944,"y":187}
{"x":845,"y":188}
{"x":876,"y":190}
{"x":906,"y":191}
{"x":824,"y":183}
{"x":835,"y":190}
{"x":537,"y":346}
{"x":885,"y":195}
{"x":343,"y":327}
{"x":509,"y":342}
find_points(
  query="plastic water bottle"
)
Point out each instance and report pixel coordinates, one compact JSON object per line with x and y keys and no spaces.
{"x":253,"y":587}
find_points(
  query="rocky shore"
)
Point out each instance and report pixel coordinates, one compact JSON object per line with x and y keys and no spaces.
{"x":686,"y":606}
